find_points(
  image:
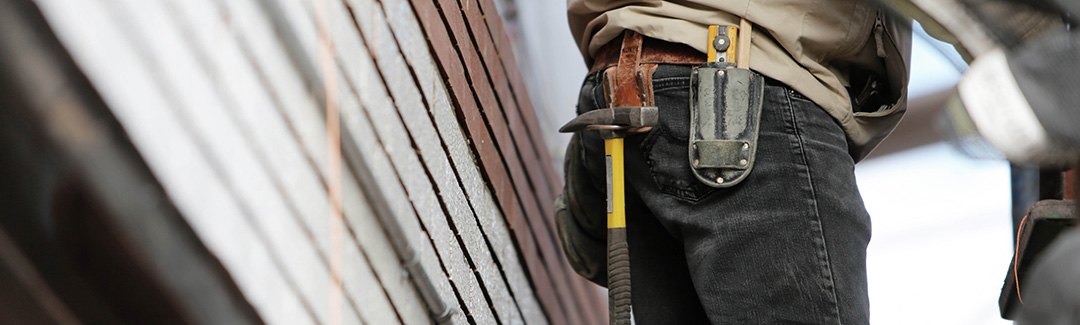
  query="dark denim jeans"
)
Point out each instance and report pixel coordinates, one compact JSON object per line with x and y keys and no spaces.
{"x":785,"y":246}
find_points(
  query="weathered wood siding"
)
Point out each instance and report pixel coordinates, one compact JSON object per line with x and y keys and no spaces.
{"x":234,"y":105}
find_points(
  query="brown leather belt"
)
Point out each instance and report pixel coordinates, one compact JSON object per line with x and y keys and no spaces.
{"x":652,"y":51}
{"x":629,"y":61}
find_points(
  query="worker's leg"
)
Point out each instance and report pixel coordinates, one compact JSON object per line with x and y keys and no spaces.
{"x":787,"y":245}
{"x":662,"y":292}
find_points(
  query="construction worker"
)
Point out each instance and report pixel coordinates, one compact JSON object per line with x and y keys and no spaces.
{"x":783,"y":239}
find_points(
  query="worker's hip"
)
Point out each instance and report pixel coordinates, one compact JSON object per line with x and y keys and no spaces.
{"x":789,"y":122}
{"x":798,"y":210}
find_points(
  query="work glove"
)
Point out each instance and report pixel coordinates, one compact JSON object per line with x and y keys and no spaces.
{"x":581,"y":219}
{"x":975,"y":27}
{"x":1021,"y":103}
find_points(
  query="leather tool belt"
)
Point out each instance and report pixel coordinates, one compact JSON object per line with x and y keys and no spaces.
{"x":726,"y":98}
{"x":653,"y":51}
{"x":628,"y":63}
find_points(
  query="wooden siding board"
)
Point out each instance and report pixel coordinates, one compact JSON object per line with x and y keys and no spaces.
{"x":498,"y":75}
{"x":355,"y":125}
{"x":202,"y":107}
{"x":492,"y":164}
{"x":389,"y":179}
{"x":496,"y":122}
{"x":298,"y":18}
{"x":353,"y":318}
{"x":583,"y":289}
{"x":489,"y":106}
{"x":525,"y":144}
{"x":413,"y":113}
{"x":359,"y":278}
{"x":587,"y":290}
{"x":375,"y":101}
{"x":531,"y":123}
{"x":353,"y":292}
{"x":468,"y":111}
{"x":395,"y":140}
{"x":476,"y":85}
{"x":521,"y":94}
{"x":378,"y":251}
{"x":174,"y":155}
{"x":256,"y":113}
{"x":488,"y":214}
{"x":305,"y":263}
{"x":310,"y":189}
{"x":533,"y":165}
{"x":522,"y":139}
{"x":233,"y":94}
{"x":302,"y":112}
{"x":528,"y":150}
{"x":260,"y":45}
{"x":542,"y":281}
{"x":414,"y":47}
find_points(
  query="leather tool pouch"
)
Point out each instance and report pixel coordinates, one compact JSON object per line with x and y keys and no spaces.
{"x":725,"y":114}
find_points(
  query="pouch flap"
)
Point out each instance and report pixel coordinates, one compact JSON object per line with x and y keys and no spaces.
{"x":722,"y":154}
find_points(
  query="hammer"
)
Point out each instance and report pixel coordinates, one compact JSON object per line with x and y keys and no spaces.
{"x":614,"y":124}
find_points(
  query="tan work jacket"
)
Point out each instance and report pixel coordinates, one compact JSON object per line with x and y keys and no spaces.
{"x":810,"y":45}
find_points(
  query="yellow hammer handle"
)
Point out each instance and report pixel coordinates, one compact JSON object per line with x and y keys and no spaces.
{"x":616,"y":179}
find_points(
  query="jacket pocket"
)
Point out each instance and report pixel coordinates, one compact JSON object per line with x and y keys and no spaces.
{"x":873,"y":126}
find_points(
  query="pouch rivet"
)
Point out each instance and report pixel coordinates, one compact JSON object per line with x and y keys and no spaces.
{"x":720,"y":73}
{"x":742,"y":162}
{"x":695,"y":162}
{"x":719,"y":180}
{"x":745,"y":146}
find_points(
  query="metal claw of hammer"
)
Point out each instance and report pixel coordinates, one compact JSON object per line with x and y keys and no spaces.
{"x":619,"y":120}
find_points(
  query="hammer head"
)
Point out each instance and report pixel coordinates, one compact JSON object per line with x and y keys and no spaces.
{"x":615,"y":118}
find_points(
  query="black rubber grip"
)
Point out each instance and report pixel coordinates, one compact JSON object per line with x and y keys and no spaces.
{"x":618,"y":277}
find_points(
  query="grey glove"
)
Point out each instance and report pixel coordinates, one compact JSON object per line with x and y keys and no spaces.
{"x":975,"y":27}
{"x":581,"y":218}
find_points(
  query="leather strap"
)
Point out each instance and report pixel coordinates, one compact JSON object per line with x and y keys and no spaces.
{"x":627,"y":90}
{"x":645,"y":74}
{"x":742,"y":59}
{"x":652,"y":51}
